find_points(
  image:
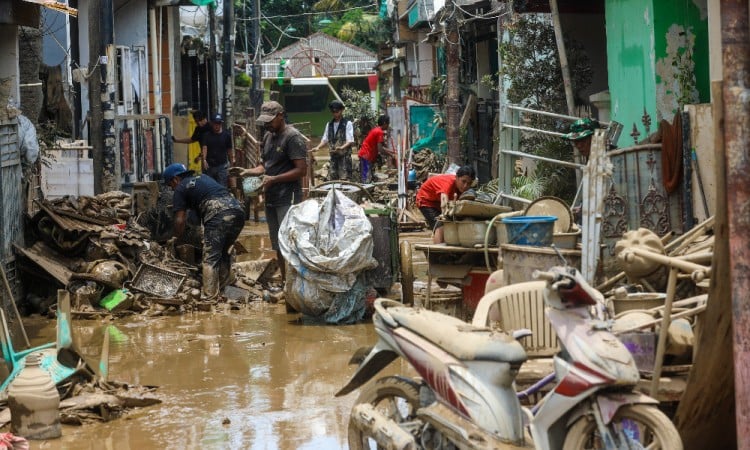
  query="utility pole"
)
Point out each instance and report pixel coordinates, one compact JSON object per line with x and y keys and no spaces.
{"x":228,"y":62}
{"x":102,"y":97}
{"x":256,"y":97}
{"x":452,"y":105}
{"x":212,"y":94}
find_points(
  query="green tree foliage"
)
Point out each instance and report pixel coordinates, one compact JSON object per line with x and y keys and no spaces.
{"x":359,"y":111}
{"x":531,"y":71}
{"x":286,"y":21}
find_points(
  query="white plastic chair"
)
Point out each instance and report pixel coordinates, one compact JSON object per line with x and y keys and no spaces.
{"x":519,"y":306}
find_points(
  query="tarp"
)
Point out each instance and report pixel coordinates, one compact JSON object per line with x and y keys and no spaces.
{"x":328,"y":246}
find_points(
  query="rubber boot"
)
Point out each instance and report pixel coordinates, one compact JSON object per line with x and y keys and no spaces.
{"x":210,"y":289}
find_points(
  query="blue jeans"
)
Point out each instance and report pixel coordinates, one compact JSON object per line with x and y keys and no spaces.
{"x":220,"y":174}
{"x":365,"y":168}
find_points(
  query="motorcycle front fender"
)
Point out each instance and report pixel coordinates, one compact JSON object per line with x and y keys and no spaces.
{"x":380,"y":356}
{"x":610,"y":402}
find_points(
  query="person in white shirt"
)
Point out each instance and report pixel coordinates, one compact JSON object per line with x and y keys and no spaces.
{"x":339,"y":135}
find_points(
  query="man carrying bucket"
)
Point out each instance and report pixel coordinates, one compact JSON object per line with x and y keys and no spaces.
{"x":437,"y":191}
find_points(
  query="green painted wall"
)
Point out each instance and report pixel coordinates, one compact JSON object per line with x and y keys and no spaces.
{"x":644,"y":39}
{"x":630,"y":62}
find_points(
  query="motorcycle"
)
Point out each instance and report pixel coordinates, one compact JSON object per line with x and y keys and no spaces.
{"x":465,"y":397}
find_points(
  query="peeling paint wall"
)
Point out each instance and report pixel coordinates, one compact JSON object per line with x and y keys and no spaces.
{"x":681,"y":44}
{"x":657,"y":52}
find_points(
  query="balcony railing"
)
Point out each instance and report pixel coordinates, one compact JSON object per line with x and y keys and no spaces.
{"x":341,"y":69}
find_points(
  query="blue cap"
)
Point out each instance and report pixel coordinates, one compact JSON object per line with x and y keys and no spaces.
{"x":173,"y":170}
{"x":217,"y":118}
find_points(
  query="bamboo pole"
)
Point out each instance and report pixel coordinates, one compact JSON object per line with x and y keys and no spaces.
{"x":661,"y":346}
{"x":563,"y":57}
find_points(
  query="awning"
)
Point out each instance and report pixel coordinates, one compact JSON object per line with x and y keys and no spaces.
{"x":57,"y":6}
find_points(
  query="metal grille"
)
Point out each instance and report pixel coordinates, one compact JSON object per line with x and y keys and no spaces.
{"x":11,"y":205}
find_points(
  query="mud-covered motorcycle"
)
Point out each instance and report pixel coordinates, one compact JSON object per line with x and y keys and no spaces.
{"x":465,"y":396}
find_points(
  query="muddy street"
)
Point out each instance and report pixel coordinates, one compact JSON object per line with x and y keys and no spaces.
{"x":253,"y":378}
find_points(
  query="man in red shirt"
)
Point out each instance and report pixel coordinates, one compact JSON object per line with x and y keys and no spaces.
{"x":437,"y":191}
{"x":373,"y":144}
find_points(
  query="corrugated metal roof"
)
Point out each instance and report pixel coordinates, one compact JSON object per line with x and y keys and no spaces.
{"x":70,"y":223}
{"x":326,"y":54}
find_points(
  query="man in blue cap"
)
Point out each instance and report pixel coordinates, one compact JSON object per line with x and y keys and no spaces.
{"x":222,"y":217}
{"x":217,"y":151}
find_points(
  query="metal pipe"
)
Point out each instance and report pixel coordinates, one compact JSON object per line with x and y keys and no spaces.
{"x":550,"y":114}
{"x":534,"y":130}
{"x":155,"y":60}
{"x":542,"y":158}
{"x":635,"y":148}
{"x":514,"y":198}
{"x":735,"y":40}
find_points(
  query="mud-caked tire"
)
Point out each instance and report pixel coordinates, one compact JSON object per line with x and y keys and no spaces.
{"x":644,"y":424}
{"x":395,"y":397}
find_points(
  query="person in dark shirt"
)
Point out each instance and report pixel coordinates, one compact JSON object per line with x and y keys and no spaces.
{"x":284,"y":163}
{"x":201,"y":127}
{"x":222,"y":217}
{"x":217,"y":154}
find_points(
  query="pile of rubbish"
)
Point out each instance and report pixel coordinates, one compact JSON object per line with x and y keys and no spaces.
{"x":109,"y":252}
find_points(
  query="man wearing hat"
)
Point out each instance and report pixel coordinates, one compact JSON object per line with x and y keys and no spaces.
{"x":339,"y":135}
{"x":216,"y":151}
{"x":283,"y":164}
{"x":580,"y":135}
{"x":222,"y":217}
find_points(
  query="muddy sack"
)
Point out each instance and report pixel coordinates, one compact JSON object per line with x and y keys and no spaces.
{"x":327,"y":245}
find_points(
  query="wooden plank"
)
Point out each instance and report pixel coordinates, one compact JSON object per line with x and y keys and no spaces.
{"x":49,"y":265}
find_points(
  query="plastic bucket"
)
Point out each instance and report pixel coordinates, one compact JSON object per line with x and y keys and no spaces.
{"x":530,"y":230}
{"x":251,"y":186}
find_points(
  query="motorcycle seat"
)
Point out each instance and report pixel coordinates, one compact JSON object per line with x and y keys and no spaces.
{"x":462,"y":340}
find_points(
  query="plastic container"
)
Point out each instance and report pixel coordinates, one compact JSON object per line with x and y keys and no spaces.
{"x":251,"y":186}
{"x":34,"y":402}
{"x":530,"y":230}
{"x":520,"y":261}
{"x":117,"y":300}
{"x":566,"y":240}
{"x":450,"y":233}
{"x":471,"y":233}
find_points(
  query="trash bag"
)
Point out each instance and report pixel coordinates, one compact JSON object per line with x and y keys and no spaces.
{"x":327,"y":244}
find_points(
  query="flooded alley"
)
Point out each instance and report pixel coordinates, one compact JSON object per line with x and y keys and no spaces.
{"x":256,"y":378}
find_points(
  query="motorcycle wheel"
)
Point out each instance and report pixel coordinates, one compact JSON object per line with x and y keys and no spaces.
{"x":395,"y":397}
{"x":643,"y":426}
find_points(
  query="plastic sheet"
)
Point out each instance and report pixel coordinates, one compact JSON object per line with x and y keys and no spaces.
{"x":327,"y":244}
